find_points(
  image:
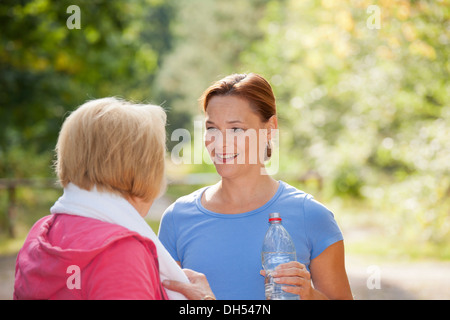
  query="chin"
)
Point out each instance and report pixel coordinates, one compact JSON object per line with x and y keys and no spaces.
{"x":230,"y":171}
{"x":227,"y":170}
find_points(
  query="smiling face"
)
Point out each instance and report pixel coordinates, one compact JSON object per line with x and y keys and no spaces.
{"x":236,"y":137}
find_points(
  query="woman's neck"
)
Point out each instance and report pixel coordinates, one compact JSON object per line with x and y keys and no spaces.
{"x":245,"y":189}
{"x":240,"y":194}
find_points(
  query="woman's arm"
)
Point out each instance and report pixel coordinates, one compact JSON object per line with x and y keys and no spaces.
{"x":197,"y":289}
{"x":327,"y":273}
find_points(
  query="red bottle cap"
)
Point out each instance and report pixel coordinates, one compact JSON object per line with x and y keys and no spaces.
{"x":274,"y":216}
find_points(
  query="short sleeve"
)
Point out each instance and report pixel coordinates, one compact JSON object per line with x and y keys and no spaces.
{"x":321,"y":227}
{"x":167,"y":233}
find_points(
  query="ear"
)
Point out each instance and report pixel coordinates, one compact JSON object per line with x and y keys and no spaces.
{"x":271,"y":124}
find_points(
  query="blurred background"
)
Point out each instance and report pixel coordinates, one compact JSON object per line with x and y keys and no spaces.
{"x":362,"y":90}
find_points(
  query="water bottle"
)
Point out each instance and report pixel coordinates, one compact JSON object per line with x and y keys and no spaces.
{"x":277,"y":248}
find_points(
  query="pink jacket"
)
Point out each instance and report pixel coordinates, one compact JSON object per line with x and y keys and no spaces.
{"x":72,"y":257}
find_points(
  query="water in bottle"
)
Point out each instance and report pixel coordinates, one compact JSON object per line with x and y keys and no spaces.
{"x":277,"y":248}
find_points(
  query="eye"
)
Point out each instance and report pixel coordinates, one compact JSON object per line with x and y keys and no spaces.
{"x":211,"y":129}
{"x":237,"y":130}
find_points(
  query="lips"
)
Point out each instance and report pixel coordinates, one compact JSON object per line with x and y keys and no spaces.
{"x":226,"y":157}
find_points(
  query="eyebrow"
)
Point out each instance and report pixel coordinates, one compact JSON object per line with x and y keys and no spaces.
{"x":231,"y":121}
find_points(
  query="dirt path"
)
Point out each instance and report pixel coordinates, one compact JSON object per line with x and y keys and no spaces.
{"x":7,"y":264}
{"x":427,"y":280}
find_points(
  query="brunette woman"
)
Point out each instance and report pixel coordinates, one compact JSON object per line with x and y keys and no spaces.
{"x":218,"y":230}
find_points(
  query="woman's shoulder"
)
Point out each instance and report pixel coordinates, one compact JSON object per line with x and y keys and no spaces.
{"x":302,"y":199}
{"x":186,"y":202}
{"x":74,"y":232}
{"x":292,"y":193}
{"x":191,"y":197}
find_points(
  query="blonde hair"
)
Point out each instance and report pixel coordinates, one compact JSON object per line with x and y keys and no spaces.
{"x":114,"y":145}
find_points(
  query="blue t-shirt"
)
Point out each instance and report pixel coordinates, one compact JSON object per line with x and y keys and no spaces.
{"x":227,"y":247}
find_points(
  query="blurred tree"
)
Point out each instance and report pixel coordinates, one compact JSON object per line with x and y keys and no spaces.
{"x":209,"y":37}
{"x":366,"y":107}
{"x":47,"y":69}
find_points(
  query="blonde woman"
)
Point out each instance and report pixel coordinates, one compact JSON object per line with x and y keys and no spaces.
{"x":218,"y":230}
{"x":96,"y":244}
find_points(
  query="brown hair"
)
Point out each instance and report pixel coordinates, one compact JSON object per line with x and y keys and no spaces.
{"x":252,"y":87}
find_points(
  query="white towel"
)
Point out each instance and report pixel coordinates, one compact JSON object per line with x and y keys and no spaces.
{"x":112,"y":208}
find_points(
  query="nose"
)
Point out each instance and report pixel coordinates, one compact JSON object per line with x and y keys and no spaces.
{"x":220,"y":141}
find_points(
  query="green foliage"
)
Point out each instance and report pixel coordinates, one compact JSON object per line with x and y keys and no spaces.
{"x":208,"y":38}
{"x":47,"y":69}
{"x":366,"y":108}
